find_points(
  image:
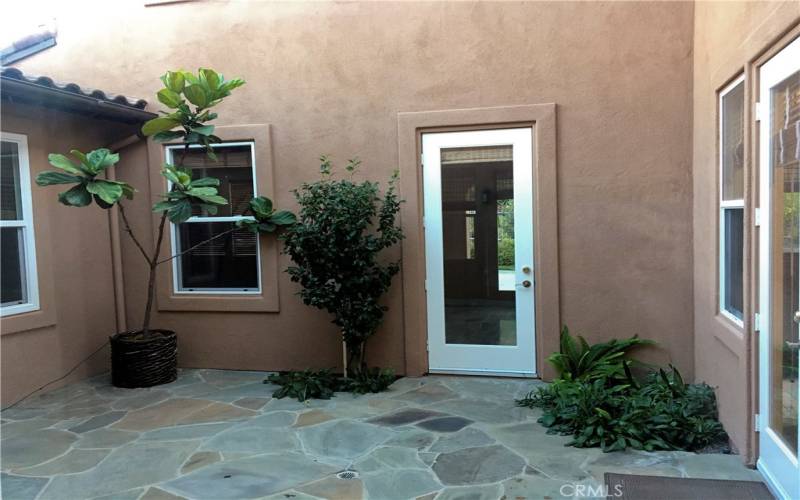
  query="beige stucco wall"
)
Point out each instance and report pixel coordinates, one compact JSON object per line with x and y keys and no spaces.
{"x":331,"y":78}
{"x":729,"y":37}
{"x":73,"y":265}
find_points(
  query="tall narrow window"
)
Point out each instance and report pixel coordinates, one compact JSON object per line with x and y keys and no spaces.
{"x":19,"y":292}
{"x":731,"y":216}
{"x":230,"y":263}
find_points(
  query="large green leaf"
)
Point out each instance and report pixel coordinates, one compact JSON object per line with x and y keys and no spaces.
{"x":163,"y":205}
{"x":204,"y":130}
{"x":211,"y":77}
{"x":100,"y":159}
{"x":160,"y":124}
{"x":283,"y":218}
{"x":174,"y":81}
{"x":109,"y":192}
{"x":78,"y":196}
{"x":169,"y":98}
{"x":180,"y":212}
{"x":64,"y":163}
{"x":204,"y":182}
{"x":207,"y":194}
{"x":196,"y":95}
{"x":51,"y":178}
{"x":261,"y":206}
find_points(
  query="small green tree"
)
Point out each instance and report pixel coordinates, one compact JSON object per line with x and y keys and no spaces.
{"x":342,"y":228}
{"x":190,"y":97}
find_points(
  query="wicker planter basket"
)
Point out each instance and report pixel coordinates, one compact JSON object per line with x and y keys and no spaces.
{"x":144,"y":362}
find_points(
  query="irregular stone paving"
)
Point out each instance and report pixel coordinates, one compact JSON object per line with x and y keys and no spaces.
{"x":215,"y":434}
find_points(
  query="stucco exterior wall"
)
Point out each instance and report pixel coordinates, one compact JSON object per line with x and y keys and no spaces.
{"x":331,"y":78}
{"x":76,"y":289}
{"x":728,"y":39}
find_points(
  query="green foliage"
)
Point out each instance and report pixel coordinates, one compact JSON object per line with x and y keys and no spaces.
{"x":323,"y":384}
{"x":304,"y":385}
{"x":343,"y":227}
{"x":183,"y":90}
{"x":83,"y":174}
{"x":366,"y":380}
{"x":577,"y":360}
{"x":505,"y":253}
{"x":187,"y":193}
{"x":597,"y":401}
{"x":660,"y":413}
{"x":265,"y":218}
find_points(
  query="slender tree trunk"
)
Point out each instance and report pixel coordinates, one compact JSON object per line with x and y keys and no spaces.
{"x":151,"y":283}
{"x":151,"y":280}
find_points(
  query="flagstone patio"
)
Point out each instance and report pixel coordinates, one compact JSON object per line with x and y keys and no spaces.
{"x":217,"y":434}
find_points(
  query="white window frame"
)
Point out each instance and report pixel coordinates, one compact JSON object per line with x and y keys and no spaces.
{"x":176,"y":267}
{"x":26,"y":224}
{"x":725,"y":205}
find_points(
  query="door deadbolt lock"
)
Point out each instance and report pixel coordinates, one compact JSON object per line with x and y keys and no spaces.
{"x":526,"y":270}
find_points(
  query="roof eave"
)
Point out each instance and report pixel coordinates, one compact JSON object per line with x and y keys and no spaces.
{"x":22,"y":91}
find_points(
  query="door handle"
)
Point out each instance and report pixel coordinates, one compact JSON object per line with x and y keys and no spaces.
{"x":525,"y":284}
{"x":797,"y":316}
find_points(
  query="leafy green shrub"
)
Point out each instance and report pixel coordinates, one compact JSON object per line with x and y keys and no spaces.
{"x":505,"y":253}
{"x":600,"y":403}
{"x":304,"y":385}
{"x":342,"y":228}
{"x":369,"y":380}
{"x":323,"y":384}
{"x":581,"y":361}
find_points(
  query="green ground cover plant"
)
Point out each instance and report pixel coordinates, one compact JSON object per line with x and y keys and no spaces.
{"x":323,"y":384}
{"x":599,"y":402}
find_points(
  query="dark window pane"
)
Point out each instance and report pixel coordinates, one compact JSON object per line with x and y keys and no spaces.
{"x":10,"y":199}
{"x":733,"y":260}
{"x":230,"y":261}
{"x":478,"y":245}
{"x":12,"y":274}
{"x":233,"y":168}
{"x":732,"y":144}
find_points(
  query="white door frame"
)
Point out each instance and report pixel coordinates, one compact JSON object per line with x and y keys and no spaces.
{"x":518,"y":360}
{"x":776,"y":461}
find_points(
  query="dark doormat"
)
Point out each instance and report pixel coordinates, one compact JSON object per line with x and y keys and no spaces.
{"x":632,"y":487}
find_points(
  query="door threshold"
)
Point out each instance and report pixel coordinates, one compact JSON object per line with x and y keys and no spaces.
{"x":484,"y":373}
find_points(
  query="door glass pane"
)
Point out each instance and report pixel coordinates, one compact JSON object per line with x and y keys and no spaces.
{"x":734,"y":264}
{"x":229,"y":261}
{"x":10,"y":199}
{"x":12,"y":273}
{"x":478,"y":244}
{"x":785,"y":283}
{"x":732,"y":145}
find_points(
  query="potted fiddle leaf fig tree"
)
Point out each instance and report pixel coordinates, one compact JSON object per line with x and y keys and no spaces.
{"x":147,"y":356}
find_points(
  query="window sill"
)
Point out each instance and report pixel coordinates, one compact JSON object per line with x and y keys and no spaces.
{"x":24,"y":321}
{"x":730,"y":335}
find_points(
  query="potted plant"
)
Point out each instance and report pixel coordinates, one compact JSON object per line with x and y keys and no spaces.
{"x":148,"y":356}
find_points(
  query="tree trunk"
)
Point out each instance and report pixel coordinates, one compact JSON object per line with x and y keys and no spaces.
{"x":151,"y":283}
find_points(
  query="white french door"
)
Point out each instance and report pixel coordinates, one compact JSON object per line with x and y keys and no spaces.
{"x":478,"y":202}
{"x":779,"y":277}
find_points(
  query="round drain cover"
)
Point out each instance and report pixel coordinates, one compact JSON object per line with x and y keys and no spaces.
{"x":347,"y":474}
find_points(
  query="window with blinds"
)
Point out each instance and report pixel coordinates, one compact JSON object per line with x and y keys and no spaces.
{"x":230,"y":263}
